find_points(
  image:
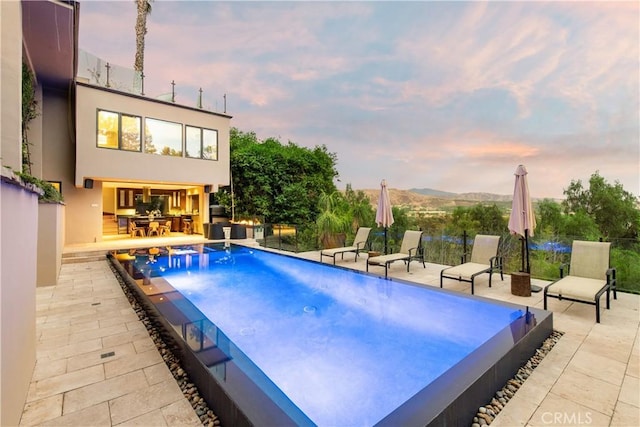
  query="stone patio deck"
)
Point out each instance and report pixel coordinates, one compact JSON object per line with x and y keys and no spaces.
{"x":96,"y":364}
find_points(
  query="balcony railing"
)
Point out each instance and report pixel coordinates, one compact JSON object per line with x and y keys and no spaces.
{"x":99,"y":72}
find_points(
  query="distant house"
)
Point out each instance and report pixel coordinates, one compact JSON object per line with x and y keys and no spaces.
{"x":116,"y":152}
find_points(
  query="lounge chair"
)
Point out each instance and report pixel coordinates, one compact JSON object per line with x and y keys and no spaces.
{"x":359,"y":243}
{"x":410,"y":249}
{"x":484,"y":259}
{"x":589,"y":276}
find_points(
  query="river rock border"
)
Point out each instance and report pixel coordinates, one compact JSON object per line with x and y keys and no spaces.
{"x":190,"y":391}
{"x":487,"y":413}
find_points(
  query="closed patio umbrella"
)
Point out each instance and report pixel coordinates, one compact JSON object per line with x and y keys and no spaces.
{"x":384,"y":214}
{"x":522,"y":220}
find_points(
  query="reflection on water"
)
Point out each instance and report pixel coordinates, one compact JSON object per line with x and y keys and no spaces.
{"x":318,"y":336}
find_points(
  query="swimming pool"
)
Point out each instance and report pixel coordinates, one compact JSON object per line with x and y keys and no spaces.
{"x":295,"y":342}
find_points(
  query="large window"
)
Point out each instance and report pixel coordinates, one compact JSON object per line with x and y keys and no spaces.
{"x":119,"y":131}
{"x":162,"y":137}
{"x":201,"y":143}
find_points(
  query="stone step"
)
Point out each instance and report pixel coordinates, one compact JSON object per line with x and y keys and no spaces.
{"x":85,"y":256}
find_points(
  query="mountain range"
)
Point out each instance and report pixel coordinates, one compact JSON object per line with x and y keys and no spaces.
{"x":480,"y":197}
{"x":429,"y":199}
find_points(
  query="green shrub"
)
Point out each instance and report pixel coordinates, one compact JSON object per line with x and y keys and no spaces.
{"x":627,"y":264}
{"x":51,"y":194}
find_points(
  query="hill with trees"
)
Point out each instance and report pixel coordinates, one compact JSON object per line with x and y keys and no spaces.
{"x":439,"y":201}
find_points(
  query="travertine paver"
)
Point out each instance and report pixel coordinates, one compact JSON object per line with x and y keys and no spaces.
{"x":145,"y":400}
{"x":590,"y":377}
{"x":94,"y":416}
{"x":560,"y":411}
{"x":55,"y":385}
{"x":95,"y":362}
{"x":586,"y":390}
{"x":104,"y":391}
{"x":42,"y":410}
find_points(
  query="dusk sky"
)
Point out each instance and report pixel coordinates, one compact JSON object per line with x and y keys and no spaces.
{"x":444,"y":95}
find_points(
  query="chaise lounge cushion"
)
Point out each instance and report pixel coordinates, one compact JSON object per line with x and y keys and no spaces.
{"x":342,"y":249}
{"x":359,"y":243}
{"x":410,"y":249}
{"x":383,"y":259}
{"x":466,"y":270}
{"x":581,"y":288}
{"x":484,"y":259}
{"x":589,"y":276}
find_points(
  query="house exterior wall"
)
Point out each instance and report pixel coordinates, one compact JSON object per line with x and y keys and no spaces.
{"x":83,"y":214}
{"x":73,"y":164}
{"x":109,"y":202}
{"x":108,"y":164}
{"x":19,"y":219}
{"x":55,"y":138}
{"x":18,"y":228}
{"x":83,"y":211}
{"x":50,"y":243}
{"x":11,"y":84}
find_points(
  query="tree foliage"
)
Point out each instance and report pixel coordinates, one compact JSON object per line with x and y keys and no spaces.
{"x":549,"y":218}
{"x":360,"y":211}
{"x":279,"y":182}
{"x":485,"y":219}
{"x":613,"y":209}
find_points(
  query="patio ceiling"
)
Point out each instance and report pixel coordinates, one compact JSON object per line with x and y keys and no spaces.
{"x":49,"y":40}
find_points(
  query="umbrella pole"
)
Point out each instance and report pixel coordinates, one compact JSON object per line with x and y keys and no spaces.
{"x":522,"y":254}
{"x":385,"y":240}
{"x":526,"y":245}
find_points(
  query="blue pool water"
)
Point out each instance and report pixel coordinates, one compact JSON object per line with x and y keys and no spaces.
{"x":346,"y":348}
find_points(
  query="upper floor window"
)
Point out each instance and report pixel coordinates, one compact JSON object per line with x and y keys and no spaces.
{"x":119,"y":131}
{"x":201,"y":143}
{"x":162,"y":137}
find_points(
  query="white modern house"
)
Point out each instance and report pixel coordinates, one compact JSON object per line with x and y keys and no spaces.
{"x":115,"y":153}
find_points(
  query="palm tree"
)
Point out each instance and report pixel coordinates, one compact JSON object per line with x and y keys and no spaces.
{"x":144,"y":9}
{"x":332,"y":221}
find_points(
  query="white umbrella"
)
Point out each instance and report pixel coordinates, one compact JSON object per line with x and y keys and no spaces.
{"x":384,"y":214}
{"x":522,"y":220}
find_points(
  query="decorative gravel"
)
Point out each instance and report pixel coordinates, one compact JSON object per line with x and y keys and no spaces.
{"x":485,"y":415}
